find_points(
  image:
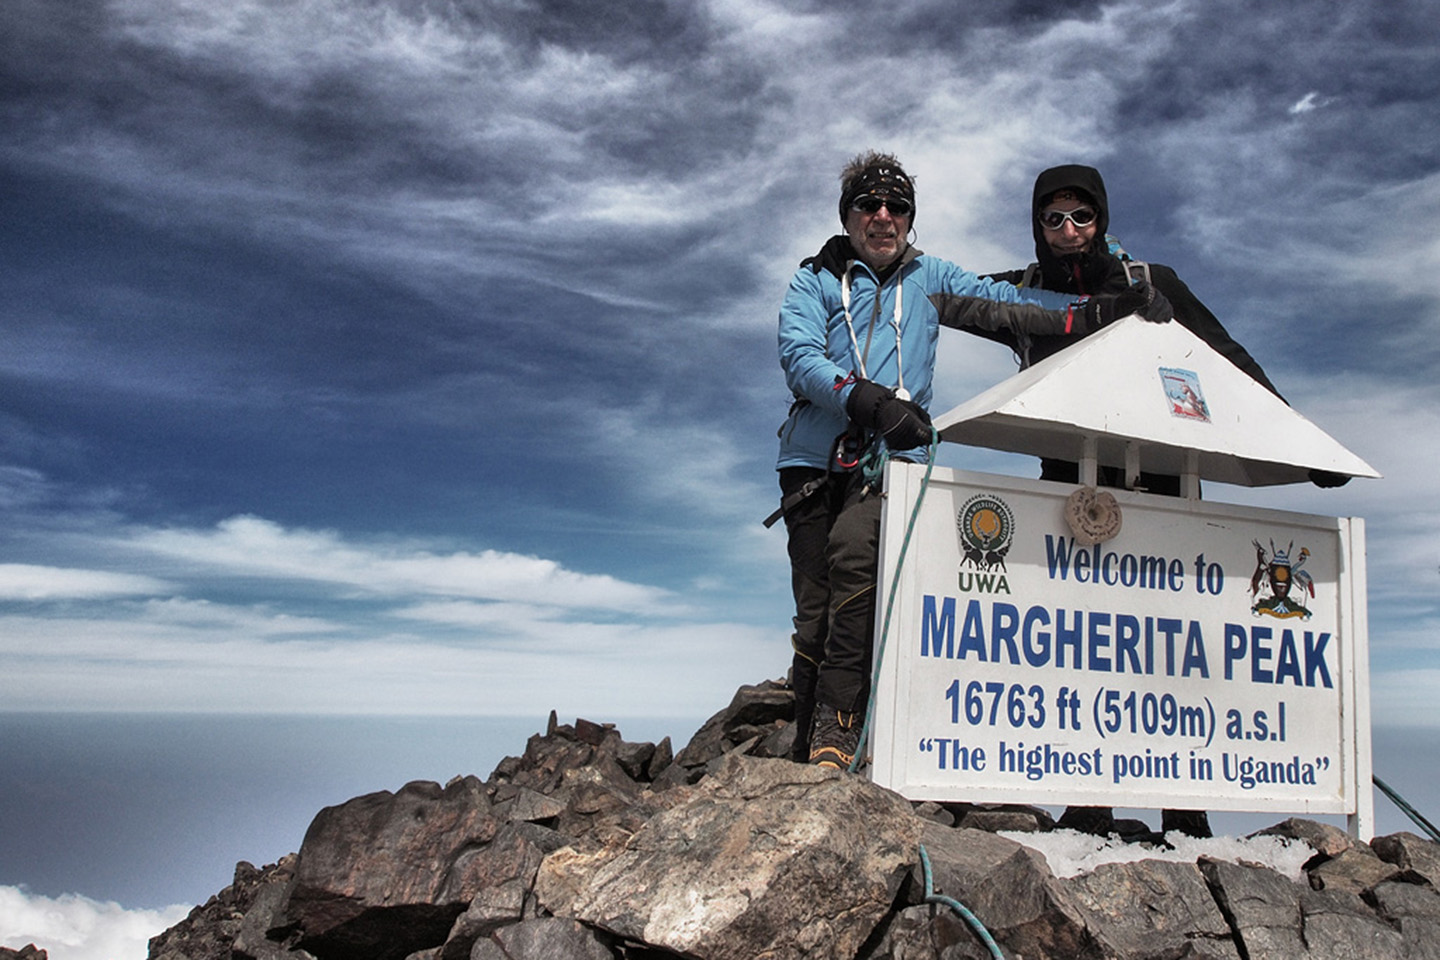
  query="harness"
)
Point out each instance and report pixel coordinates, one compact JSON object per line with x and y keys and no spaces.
{"x":1136,"y":271}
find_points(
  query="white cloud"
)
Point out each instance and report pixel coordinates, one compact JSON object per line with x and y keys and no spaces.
{"x":257,"y":620}
{"x":253,"y":546}
{"x":506,"y":668}
{"x":24,"y":581}
{"x":1395,"y":227}
{"x":468,"y":613}
{"x":72,"y":927}
{"x":335,"y":625}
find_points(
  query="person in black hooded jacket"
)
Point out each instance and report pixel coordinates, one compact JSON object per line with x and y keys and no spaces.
{"x":1075,"y":258}
{"x":1070,"y":216}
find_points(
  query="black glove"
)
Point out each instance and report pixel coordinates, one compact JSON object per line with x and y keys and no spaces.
{"x":1142,"y":298}
{"x":1324,"y":478}
{"x":902,"y":423}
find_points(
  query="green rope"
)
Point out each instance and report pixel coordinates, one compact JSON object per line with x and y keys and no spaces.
{"x":932,"y":897}
{"x":873,"y":469}
{"x":1408,"y":810}
{"x":890,"y":601}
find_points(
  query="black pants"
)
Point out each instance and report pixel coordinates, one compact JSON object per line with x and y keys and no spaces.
{"x":834,"y":538}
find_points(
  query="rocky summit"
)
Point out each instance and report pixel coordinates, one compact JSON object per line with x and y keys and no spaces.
{"x":587,"y":846}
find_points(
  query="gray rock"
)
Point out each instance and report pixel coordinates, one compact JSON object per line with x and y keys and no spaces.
{"x":505,"y":870}
{"x":592,"y":733}
{"x":1337,"y":925}
{"x":1410,"y":852}
{"x":1010,"y":889}
{"x":598,"y":800}
{"x":634,"y":758}
{"x":546,"y":759}
{"x":251,"y":942}
{"x":1321,"y":837}
{"x":1414,"y":910}
{"x":925,"y":932}
{"x":1355,"y":870}
{"x":1262,"y":907}
{"x":677,"y":775}
{"x":780,"y":742}
{"x":1422,"y":939}
{"x":660,"y":760}
{"x":581,"y":780}
{"x":767,"y":858}
{"x":935,"y":813}
{"x":754,"y":712}
{"x":211,"y":931}
{"x":718,"y":854}
{"x":527,"y":805}
{"x":1396,"y":901}
{"x":27,"y":952}
{"x":1019,"y":819}
{"x":546,"y":938}
{"x":1151,"y":910}
{"x":385,"y":875}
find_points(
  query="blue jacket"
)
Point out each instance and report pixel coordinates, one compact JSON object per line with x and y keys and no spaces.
{"x":821,"y":361}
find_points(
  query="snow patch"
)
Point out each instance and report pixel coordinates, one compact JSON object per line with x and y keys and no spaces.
{"x":1070,"y":853}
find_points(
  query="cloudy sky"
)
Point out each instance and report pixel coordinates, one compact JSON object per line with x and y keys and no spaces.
{"x":385,"y":356}
{"x":407,"y":356}
{"x":404,"y":356}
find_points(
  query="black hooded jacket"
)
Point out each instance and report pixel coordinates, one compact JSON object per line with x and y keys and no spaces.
{"x":1098,"y":271}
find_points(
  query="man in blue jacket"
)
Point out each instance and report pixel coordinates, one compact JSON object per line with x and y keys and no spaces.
{"x":858,"y":331}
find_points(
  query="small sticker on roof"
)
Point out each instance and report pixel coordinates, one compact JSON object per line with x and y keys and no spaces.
{"x":1183,"y":393}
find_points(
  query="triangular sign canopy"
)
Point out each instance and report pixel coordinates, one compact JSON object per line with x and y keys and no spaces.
{"x":1161,"y":388}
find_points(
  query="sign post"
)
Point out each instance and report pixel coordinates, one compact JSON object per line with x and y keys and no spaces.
{"x":1208,"y":656}
{"x":1055,"y":644}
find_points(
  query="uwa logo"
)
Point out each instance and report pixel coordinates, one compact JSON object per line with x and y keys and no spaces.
{"x":987,"y":528}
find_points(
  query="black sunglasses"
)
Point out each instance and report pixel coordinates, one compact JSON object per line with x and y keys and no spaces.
{"x":870,"y":203}
{"x":1055,"y":219}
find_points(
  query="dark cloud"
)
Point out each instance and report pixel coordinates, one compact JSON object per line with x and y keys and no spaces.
{"x":1352,"y":76}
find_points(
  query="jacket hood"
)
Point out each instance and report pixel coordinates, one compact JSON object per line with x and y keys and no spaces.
{"x":1093,"y":263}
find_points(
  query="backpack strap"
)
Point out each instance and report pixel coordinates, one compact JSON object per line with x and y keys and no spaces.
{"x":1136,"y":270}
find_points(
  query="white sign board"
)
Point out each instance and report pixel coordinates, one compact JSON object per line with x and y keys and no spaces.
{"x":1208,"y":656}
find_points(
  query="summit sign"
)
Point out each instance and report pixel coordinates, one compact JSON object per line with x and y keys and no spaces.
{"x":1204,"y":656}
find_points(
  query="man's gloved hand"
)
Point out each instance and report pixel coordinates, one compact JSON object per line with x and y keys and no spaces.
{"x":1141,"y":298}
{"x":1324,"y":478}
{"x":902,"y":423}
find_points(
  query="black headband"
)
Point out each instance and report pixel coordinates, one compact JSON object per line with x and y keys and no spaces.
{"x":881,"y":180}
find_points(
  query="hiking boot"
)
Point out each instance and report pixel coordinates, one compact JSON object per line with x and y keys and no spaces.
{"x":835,"y":738}
{"x":1096,"y":821}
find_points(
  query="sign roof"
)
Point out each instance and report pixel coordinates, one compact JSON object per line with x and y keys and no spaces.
{"x":1159,"y":386}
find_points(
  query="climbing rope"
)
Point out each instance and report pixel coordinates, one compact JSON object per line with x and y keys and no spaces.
{"x":1408,"y":810}
{"x":932,"y":897}
{"x":890,"y":600}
